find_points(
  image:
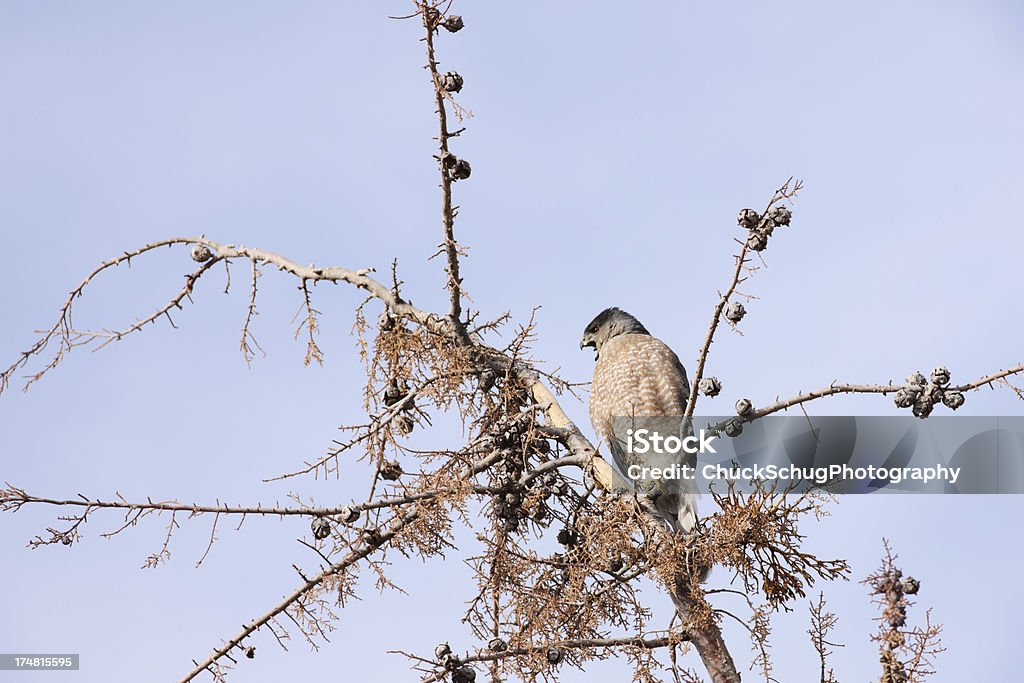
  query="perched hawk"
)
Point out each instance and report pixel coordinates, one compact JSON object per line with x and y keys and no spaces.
{"x":639,"y":376}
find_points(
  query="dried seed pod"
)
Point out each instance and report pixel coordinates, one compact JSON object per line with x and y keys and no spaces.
{"x":485,"y":443}
{"x":709,"y":386}
{"x":385,"y":323}
{"x":513,"y":499}
{"x":780,"y":215}
{"x":500,"y":441}
{"x":616,"y":564}
{"x":201,"y":253}
{"x":917,"y":379}
{"x":500,"y":509}
{"x":748,"y":219}
{"x":940,"y":377}
{"x":321,"y":528}
{"x":568,"y":537}
{"x":404,"y":424}
{"x":895,"y":617}
{"x":889,"y":582}
{"x":431,"y":15}
{"x":250,"y":652}
{"x":923,"y":408}
{"x":451,"y":661}
{"x":905,"y":398}
{"x":486,"y":380}
{"x":734,"y":312}
{"x":453,"y":23}
{"x":461,"y":170}
{"x":67,"y":539}
{"x":757,"y":240}
{"x":743,"y":407}
{"x":896,"y":673}
{"x":952,"y":399}
{"x":497,"y":645}
{"x":911,"y":585}
{"x":393,"y":393}
{"x":442,"y":650}
{"x":371,"y":536}
{"x":733,"y":428}
{"x":464,"y":674}
{"x":511,"y":524}
{"x":391,"y":470}
{"x":349,"y":514}
{"x":451,"y":81}
{"x":554,"y":655}
{"x":560,"y":488}
{"x":447,"y":159}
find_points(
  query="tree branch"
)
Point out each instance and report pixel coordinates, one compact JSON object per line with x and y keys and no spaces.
{"x":446,"y":163}
{"x":786,"y":192}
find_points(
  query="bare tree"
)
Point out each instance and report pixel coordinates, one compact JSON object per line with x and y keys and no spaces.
{"x":525,"y":470}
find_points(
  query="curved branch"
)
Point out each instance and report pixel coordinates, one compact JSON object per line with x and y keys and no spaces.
{"x":580,"y":644}
{"x":835,"y":389}
{"x":989,"y":380}
{"x":571,"y":437}
{"x":63,"y":329}
{"x":783,"y":193}
{"x":383,"y":534}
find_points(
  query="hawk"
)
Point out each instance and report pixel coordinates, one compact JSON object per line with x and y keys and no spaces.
{"x":639,"y":376}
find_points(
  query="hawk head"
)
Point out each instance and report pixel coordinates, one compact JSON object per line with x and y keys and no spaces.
{"x":611,"y":322}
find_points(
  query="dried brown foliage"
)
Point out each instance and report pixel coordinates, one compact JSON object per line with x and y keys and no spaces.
{"x":757,"y":536}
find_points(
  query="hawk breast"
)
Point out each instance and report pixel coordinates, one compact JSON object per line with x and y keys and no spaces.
{"x":636,"y":375}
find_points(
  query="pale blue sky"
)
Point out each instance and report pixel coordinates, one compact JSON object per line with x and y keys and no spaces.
{"x":612,"y":146}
